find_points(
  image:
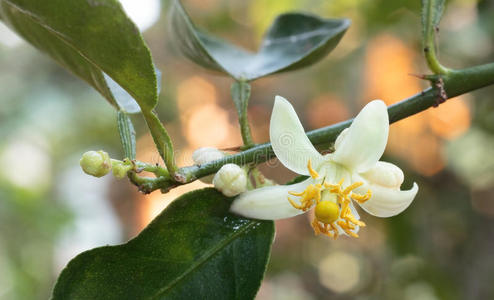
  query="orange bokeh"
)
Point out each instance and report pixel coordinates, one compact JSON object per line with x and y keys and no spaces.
{"x":417,"y":139}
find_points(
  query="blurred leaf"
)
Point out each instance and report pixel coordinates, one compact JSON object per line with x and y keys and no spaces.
{"x":95,"y":40}
{"x":195,"y":249}
{"x":127,"y":134}
{"x":294,"y":41}
{"x":432,"y":10}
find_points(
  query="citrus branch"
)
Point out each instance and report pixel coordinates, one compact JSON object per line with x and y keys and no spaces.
{"x":456,"y":82}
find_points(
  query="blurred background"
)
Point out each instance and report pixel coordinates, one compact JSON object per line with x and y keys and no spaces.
{"x":442,"y":247}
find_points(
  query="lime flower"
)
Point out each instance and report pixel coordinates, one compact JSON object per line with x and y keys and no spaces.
{"x":352,"y":173}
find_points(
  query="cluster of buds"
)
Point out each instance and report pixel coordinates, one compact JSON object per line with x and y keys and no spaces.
{"x":99,"y":163}
{"x":231,"y":179}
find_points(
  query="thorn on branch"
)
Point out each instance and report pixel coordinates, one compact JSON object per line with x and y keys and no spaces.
{"x":437,"y":82}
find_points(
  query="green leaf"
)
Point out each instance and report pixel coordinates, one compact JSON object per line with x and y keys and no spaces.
{"x":432,"y":10}
{"x":95,"y":40}
{"x":240,"y":91}
{"x":195,"y":249}
{"x":98,"y":42}
{"x":127,"y":134}
{"x":294,"y":41}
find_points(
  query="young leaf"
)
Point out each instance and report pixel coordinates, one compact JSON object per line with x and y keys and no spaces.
{"x":127,"y":134}
{"x":94,"y":39}
{"x":294,"y":41}
{"x":240,"y":91}
{"x":195,"y":249}
{"x":432,"y":10}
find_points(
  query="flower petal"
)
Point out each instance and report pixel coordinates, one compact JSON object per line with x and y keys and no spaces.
{"x":290,"y":143}
{"x":384,"y":174}
{"x":269,"y":203}
{"x":363,"y":144}
{"x":387,"y":202}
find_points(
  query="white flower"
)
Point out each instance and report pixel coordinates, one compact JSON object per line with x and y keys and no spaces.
{"x":352,"y":172}
{"x":231,"y":180}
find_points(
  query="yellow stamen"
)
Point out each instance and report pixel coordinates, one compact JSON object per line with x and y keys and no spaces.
{"x":310,"y":195}
{"x":327,"y":229}
{"x":348,"y":221}
{"x":312,"y":172}
{"x":333,"y":212}
{"x":347,"y":228}
{"x":352,"y":187}
{"x":362,"y":198}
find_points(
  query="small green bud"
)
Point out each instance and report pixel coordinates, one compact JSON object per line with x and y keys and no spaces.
{"x":231,"y":180}
{"x":95,"y":163}
{"x":120,"y":169}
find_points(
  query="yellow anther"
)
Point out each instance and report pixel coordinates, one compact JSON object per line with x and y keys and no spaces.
{"x":362,"y":198}
{"x":312,"y":172}
{"x":327,"y":212}
{"x":310,"y":195}
{"x":347,"y":228}
{"x":352,"y":187}
{"x":328,"y":229}
{"x":331,"y":217}
{"x":351,"y":218}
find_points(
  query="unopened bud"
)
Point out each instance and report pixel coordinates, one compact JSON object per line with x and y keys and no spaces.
{"x":203,"y":156}
{"x":95,"y":163}
{"x":120,"y":169}
{"x":231,"y":180}
{"x":206,"y":154}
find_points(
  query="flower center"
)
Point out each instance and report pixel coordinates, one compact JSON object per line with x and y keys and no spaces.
{"x":332,"y":212}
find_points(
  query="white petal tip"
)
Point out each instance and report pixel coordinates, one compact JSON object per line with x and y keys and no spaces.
{"x":386,"y":202}
{"x":279,"y":98}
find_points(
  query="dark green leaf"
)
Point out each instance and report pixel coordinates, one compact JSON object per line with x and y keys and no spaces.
{"x":294,"y":41}
{"x":127,"y":134}
{"x":195,"y":249}
{"x":92,"y":38}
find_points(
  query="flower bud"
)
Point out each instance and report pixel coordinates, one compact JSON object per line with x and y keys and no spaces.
{"x":120,"y":169}
{"x":95,"y":163}
{"x":231,"y":180}
{"x":204,"y":155}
